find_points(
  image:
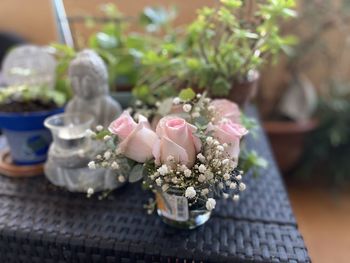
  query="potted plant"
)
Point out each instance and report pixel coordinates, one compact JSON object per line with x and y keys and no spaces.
{"x":295,"y":114}
{"x":222,"y":51}
{"x":22,"y":113}
{"x":188,"y":161}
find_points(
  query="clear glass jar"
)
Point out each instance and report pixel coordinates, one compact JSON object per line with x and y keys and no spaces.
{"x":175,"y":211}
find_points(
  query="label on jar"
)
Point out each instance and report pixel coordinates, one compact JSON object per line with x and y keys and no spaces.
{"x":173,"y":207}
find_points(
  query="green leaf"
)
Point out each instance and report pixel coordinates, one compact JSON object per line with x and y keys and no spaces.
{"x":187,"y":94}
{"x":136,"y":173}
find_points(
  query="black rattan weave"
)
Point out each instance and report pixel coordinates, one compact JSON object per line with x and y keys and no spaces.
{"x":41,"y":223}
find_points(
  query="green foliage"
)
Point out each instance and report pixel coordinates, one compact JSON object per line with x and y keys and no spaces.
{"x":31,"y":93}
{"x":187,"y":94}
{"x":251,"y":161}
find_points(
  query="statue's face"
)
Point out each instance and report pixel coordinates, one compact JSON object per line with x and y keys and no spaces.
{"x":86,"y":84}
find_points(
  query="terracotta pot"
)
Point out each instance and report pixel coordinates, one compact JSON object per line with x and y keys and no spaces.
{"x":288,"y":140}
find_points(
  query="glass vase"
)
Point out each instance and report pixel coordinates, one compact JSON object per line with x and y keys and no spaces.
{"x":175,"y":211}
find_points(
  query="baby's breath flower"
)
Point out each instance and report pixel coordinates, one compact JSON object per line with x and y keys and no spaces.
{"x":170,"y":158}
{"x":107,"y":137}
{"x":159,"y":181}
{"x":202,"y":168}
{"x":196,"y":114}
{"x":235,"y":198}
{"x":99,"y":128}
{"x":226,"y":176}
{"x":209,"y":175}
{"x":225,"y":145}
{"x":205,"y":191}
{"x":239,"y":177}
{"x":210,"y":204}
{"x":187,"y":173}
{"x":201,"y":178}
{"x":233,"y":185}
{"x":175,"y":180}
{"x":199,"y":95}
{"x":187,"y":107}
{"x":90,"y":191}
{"x":225,"y":161}
{"x":138,"y":103}
{"x":201,"y":157}
{"x":121,"y":178}
{"x":220,"y":148}
{"x":99,"y":157}
{"x":92,"y":165}
{"x":221,"y":185}
{"x":209,"y":140}
{"x":242,"y":186}
{"x":107,"y":155}
{"x":158,"y":104}
{"x":211,"y":108}
{"x":225,"y":195}
{"x":90,"y":133}
{"x":163,"y":170}
{"x":115,"y":165}
{"x":190,"y":192}
{"x":176,"y":100}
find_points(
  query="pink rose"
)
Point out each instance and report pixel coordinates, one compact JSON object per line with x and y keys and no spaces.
{"x":136,"y":139}
{"x":226,"y":109}
{"x":231,"y":133}
{"x":176,"y":140}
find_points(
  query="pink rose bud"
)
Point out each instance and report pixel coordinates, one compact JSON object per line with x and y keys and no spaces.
{"x":231,"y":133}
{"x":177,"y":141}
{"x":136,"y":140}
{"x":226,"y":109}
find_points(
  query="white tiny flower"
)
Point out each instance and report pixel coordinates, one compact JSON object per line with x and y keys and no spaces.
{"x":90,"y":133}
{"x":202,"y":168}
{"x":107,"y":155}
{"x":225,"y":161}
{"x":121,"y":178}
{"x":187,"y":173}
{"x":225,"y":145}
{"x":196,"y":114}
{"x":201,"y":157}
{"x":183,"y":167}
{"x":225,"y":195}
{"x":221,"y":185}
{"x":210,"y":204}
{"x":220,"y":148}
{"x":235,"y":198}
{"x":158,"y":104}
{"x":199,"y":95}
{"x":176,"y":100}
{"x":226,"y":176}
{"x":209,"y":175}
{"x":138,"y":103}
{"x":242,"y":186}
{"x":205,"y":191}
{"x":92,"y":165}
{"x":209,"y":140}
{"x":99,"y":128}
{"x":228,"y":183}
{"x":159,"y":181}
{"x":99,"y":157}
{"x":190,"y":192}
{"x":207,"y":100}
{"x":233,"y":185}
{"x":107,"y":137}
{"x":175,"y":180}
{"x":115,"y":165}
{"x":163,"y":170}
{"x":239,"y":177}
{"x":201,"y":178}
{"x":211,"y":108}
{"x":187,"y":107}
{"x":90,"y":191}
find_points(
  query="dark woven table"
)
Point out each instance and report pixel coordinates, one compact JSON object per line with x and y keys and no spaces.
{"x":41,"y":223}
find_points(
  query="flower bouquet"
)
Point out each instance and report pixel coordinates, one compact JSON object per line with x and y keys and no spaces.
{"x":189,"y":160}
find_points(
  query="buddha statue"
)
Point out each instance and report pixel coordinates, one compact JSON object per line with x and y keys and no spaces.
{"x":89,"y":80}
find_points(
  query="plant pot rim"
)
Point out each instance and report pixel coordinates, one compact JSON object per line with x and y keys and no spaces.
{"x":30,"y":113}
{"x":288,"y":127}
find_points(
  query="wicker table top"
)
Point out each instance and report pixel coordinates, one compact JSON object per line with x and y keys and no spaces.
{"x":42,"y":223}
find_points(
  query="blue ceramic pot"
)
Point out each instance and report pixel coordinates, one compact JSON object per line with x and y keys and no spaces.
{"x":26,"y":135}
